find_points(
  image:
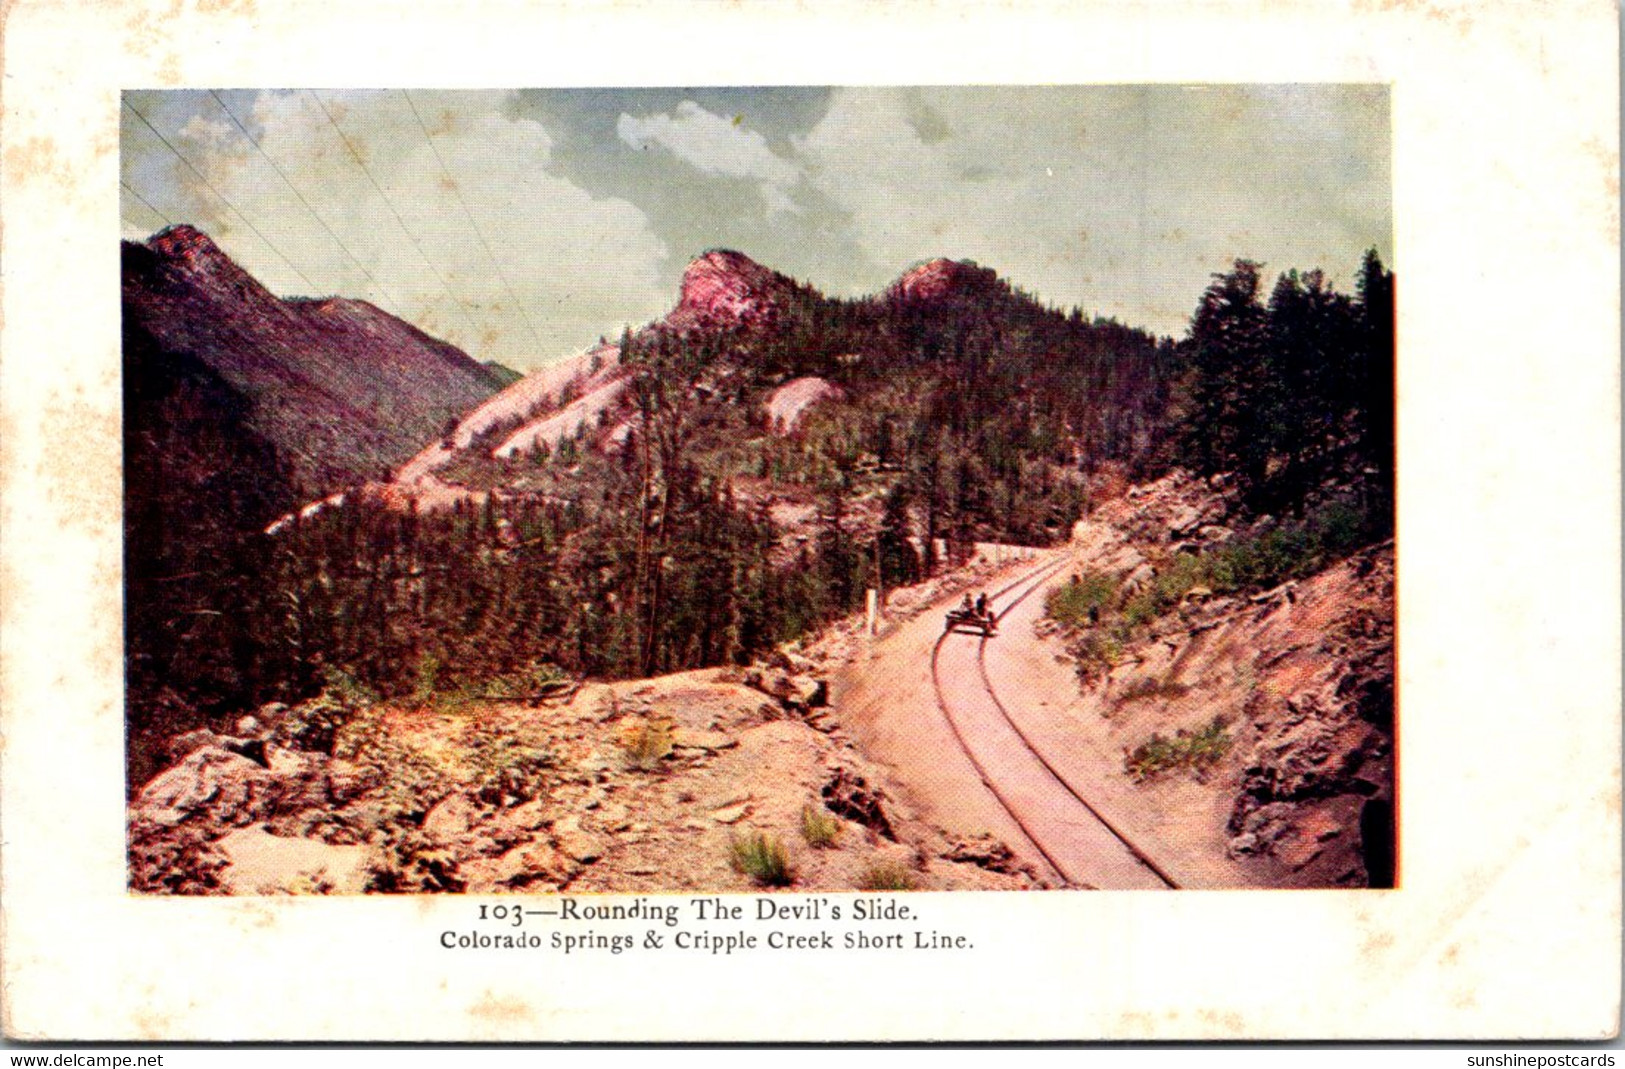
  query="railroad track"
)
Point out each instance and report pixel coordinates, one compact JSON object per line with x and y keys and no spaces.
{"x":1070,"y":833}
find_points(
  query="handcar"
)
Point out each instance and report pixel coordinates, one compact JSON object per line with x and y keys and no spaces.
{"x":971,"y":622}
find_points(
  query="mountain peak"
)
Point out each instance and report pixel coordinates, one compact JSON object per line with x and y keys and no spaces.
{"x":186,"y":242}
{"x":940,"y":277}
{"x":186,"y":248}
{"x":725,"y":286}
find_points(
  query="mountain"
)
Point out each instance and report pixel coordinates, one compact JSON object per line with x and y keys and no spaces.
{"x":745,"y":330}
{"x":238,"y":404}
{"x":340,"y":388}
{"x":722,"y":292}
{"x":724,"y":288}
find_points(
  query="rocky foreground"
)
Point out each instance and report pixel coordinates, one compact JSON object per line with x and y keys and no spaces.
{"x":648,"y":785}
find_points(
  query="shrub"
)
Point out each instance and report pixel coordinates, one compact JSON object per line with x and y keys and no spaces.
{"x":1185,"y":750}
{"x":1141,"y":608}
{"x":819,"y":826}
{"x":887,"y":876}
{"x":645,"y":742}
{"x":763,"y":858}
{"x":1185,"y":572}
{"x":1071,"y":604}
{"x":347,"y":688}
{"x":1097,"y":654}
{"x":428,"y":676}
{"x":1150,"y":687}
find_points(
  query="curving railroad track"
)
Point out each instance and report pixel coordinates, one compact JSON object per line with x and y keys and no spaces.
{"x":1076,"y":841}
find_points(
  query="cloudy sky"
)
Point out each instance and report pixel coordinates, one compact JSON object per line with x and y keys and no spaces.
{"x":521,"y":225}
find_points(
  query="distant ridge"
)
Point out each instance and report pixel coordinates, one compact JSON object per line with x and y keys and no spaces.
{"x":342,"y":389}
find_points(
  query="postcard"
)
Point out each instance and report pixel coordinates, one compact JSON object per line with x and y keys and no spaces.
{"x":564,"y":535}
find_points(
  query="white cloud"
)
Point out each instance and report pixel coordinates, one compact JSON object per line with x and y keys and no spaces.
{"x":563,"y":266}
{"x":716,"y":145}
{"x":709,"y":142}
{"x":777,"y":200}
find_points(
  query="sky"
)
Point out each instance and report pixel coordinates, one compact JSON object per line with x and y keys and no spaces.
{"x":521,"y":225}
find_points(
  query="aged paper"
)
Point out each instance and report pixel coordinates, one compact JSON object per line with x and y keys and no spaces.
{"x":1505,"y":208}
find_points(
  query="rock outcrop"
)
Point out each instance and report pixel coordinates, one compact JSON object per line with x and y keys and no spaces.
{"x":512,"y":798}
{"x":940,"y":278}
{"x":723,"y":288}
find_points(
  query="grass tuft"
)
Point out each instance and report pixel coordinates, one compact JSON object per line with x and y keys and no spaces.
{"x":763,"y":858}
{"x":819,"y":826}
{"x":645,"y":742}
{"x":887,"y":876}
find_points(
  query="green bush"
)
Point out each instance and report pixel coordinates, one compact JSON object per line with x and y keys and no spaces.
{"x":1186,"y":572}
{"x":1142,"y":608}
{"x":1070,"y":604}
{"x":428,"y":676}
{"x":1195,"y":751}
{"x":1097,"y":653}
{"x":763,"y":858}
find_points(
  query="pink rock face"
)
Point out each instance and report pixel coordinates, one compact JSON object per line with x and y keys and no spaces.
{"x":187,"y":243}
{"x":726,"y":287}
{"x":787,"y":404}
{"x":937,"y":278}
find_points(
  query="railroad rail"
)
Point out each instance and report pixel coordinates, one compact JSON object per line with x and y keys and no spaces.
{"x":1043,"y":840}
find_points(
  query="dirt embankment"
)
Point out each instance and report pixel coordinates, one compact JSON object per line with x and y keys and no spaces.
{"x":1296,"y":683}
{"x":1291,"y":689}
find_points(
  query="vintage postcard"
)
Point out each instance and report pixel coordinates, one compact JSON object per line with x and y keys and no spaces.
{"x":535,"y":536}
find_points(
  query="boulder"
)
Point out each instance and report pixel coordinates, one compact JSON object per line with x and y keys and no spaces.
{"x":260,"y":863}
{"x":730,"y":814}
{"x":849,"y":795}
{"x":451,"y":819}
{"x":597,"y":702}
{"x":526,"y":864}
{"x":216,"y":784}
{"x":708,"y":741}
{"x":576,"y":843}
{"x":984,"y":851}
